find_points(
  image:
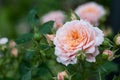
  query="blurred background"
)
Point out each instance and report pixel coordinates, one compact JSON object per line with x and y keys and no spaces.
{"x":14,"y":14}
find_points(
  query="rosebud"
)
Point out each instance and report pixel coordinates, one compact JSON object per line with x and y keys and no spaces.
{"x":50,"y":37}
{"x":107,"y":54}
{"x":106,"y":42}
{"x":117,"y":39}
{"x":14,"y":52}
{"x":12,"y":44}
{"x":62,"y":75}
{"x":37,"y":36}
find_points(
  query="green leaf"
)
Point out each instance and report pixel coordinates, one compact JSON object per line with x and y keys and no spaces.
{"x":46,"y":27}
{"x":109,"y":67}
{"x":24,"y":38}
{"x":33,"y":18}
{"x":44,"y":46}
{"x":27,"y":76}
{"x":116,"y":78}
{"x":29,"y":55}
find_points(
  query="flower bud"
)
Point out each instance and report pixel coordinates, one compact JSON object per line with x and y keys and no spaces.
{"x":107,"y":54}
{"x":117,"y":39}
{"x":14,"y":52}
{"x":62,"y":75}
{"x":106,"y":42}
{"x":12,"y":44}
{"x":50,"y":37}
{"x":37,"y":36}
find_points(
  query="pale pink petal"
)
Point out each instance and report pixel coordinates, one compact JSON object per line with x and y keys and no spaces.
{"x":99,"y":36}
{"x":90,"y":58}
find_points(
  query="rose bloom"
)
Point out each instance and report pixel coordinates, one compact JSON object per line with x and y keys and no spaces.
{"x":91,"y":12}
{"x":75,"y":36}
{"x":57,"y":16}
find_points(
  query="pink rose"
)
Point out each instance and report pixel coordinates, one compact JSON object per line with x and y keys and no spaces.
{"x":91,"y":12}
{"x":57,"y":16}
{"x":75,"y":36}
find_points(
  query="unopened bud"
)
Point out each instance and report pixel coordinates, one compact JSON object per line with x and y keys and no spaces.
{"x":107,"y":54}
{"x":12,"y":44}
{"x":37,"y":36}
{"x":62,"y":75}
{"x":50,"y":37}
{"x":117,"y":39}
{"x":106,"y":42}
{"x":14,"y":52}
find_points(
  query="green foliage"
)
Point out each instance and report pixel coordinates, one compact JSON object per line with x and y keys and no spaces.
{"x":33,"y":18}
{"x":27,"y":76}
{"x":116,"y":78}
{"x":46,"y":27}
{"x":109,"y":67}
{"x":24,"y":38}
{"x":36,"y":60}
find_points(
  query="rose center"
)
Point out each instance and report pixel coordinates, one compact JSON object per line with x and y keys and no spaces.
{"x":74,"y":38}
{"x":90,"y":10}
